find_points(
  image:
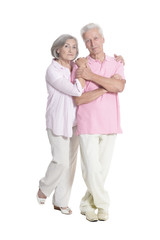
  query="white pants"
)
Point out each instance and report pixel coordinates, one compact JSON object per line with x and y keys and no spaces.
{"x":60,"y":173}
{"x":96,"y":154}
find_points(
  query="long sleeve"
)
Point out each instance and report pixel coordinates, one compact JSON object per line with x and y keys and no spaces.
{"x":62,"y":84}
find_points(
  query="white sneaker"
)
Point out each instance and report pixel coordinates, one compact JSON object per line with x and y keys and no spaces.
{"x":102,"y":214}
{"x":91,"y":216}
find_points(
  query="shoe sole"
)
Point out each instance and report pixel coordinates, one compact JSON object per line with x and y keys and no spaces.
{"x":102,"y":220}
{"x":83,"y":213}
{"x":92,"y":220}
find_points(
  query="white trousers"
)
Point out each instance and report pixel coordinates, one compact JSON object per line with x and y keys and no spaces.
{"x":61,"y":170}
{"x":96,"y":153}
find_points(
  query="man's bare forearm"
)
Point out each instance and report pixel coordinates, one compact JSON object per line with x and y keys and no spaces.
{"x":90,"y":96}
{"x":110,"y":84}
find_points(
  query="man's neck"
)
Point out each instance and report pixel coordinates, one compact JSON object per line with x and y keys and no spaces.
{"x":99,"y":57}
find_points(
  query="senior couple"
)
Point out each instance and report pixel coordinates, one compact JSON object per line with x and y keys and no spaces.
{"x":82,"y":108}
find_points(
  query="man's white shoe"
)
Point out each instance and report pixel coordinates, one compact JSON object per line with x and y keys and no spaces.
{"x":91,"y":216}
{"x":102,"y":214}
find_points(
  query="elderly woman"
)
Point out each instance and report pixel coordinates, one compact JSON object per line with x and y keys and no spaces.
{"x":61,"y":123}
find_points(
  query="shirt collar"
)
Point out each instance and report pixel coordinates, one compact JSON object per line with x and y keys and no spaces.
{"x":58,"y":65}
{"x":91,"y":60}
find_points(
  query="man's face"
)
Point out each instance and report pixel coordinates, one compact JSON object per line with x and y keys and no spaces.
{"x":94,"y":41}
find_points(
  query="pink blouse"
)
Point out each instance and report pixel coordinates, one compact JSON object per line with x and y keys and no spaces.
{"x":61,"y":110}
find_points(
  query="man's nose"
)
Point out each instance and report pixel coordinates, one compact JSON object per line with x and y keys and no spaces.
{"x":92,"y":43}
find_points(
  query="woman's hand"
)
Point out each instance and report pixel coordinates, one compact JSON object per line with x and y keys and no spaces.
{"x":81,"y":62}
{"x":119,"y":59}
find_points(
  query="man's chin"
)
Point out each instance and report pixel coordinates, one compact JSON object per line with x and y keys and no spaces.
{"x":96,"y":51}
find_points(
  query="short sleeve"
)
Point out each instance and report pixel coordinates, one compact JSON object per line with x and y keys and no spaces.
{"x":120,"y":69}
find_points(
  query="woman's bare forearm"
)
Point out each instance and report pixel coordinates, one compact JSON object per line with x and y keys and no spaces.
{"x":82,"y":82}
{"x":90,"y":96}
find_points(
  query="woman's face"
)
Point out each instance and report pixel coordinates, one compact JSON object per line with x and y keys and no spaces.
{"x":68,"y":51}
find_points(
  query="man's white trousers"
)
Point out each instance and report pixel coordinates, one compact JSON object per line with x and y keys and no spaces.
{"x":96,"y":154}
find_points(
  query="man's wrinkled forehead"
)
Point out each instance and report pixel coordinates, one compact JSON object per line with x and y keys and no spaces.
{"x":92,"y":32}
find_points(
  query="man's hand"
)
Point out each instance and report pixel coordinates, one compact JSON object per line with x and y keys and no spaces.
{"x":81,"y":62}
{"x":117,"y":76}
{"x":119,"y":59}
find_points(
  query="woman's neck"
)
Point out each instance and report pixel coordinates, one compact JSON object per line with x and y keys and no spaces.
{"x":65,"y":63}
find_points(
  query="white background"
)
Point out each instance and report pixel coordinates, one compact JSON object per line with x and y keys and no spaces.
{"x":27,"y":30}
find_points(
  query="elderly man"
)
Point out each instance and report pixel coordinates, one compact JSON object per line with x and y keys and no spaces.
{"x":98,"y":120}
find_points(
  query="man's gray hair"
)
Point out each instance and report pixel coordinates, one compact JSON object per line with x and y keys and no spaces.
{"x":59,"y":42}
{"x":91,"y":26}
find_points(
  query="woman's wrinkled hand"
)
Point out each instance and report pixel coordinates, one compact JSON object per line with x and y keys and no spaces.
{"x":81,"y":62}
{"x":119,"y":58}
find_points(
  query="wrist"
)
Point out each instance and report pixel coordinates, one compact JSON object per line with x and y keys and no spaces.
{"x":93,"y":76}
{"x":82,"y":66}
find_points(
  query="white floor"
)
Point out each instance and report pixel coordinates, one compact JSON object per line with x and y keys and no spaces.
{"x":134,"y":209}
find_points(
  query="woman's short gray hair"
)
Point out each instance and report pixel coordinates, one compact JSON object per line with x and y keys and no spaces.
{"x":59,"y":42}
{"x":91,"y":26}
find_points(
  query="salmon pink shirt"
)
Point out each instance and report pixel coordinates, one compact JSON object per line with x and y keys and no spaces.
{"x":101,"y":116}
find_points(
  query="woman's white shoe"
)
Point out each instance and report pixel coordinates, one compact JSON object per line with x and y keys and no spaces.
{"x":66,"y":210}
{"x":41,"y":200}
